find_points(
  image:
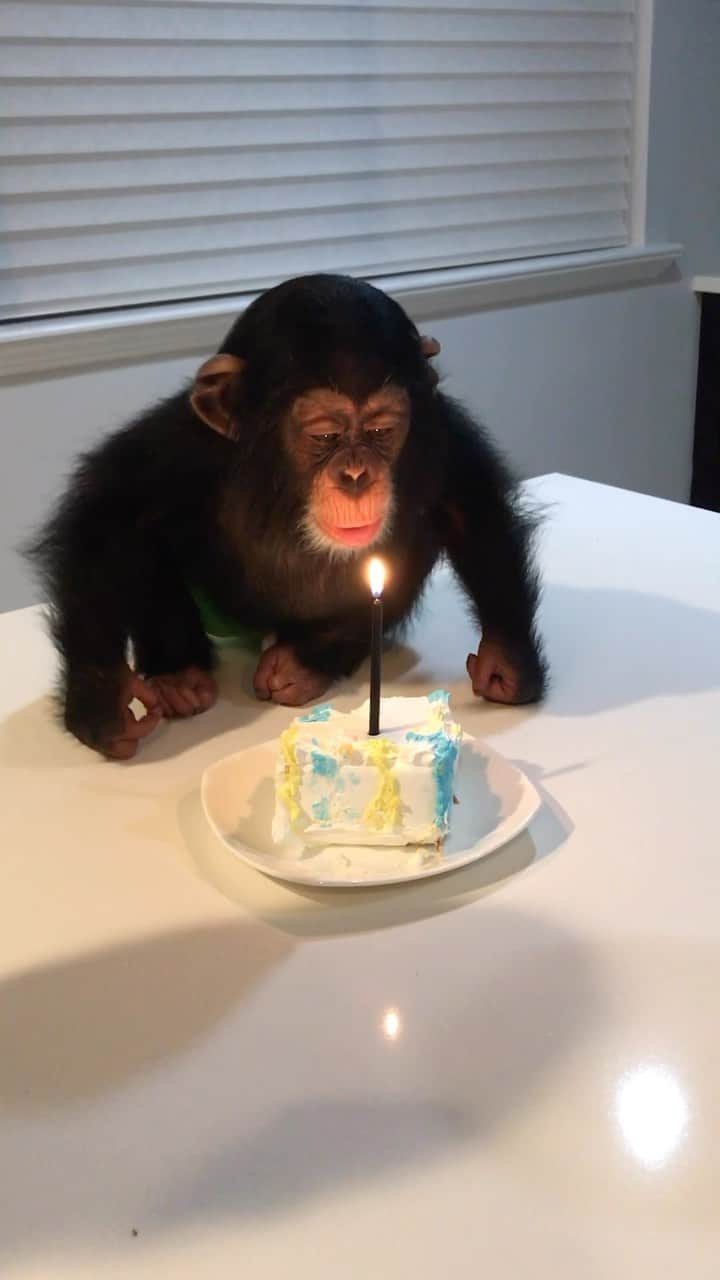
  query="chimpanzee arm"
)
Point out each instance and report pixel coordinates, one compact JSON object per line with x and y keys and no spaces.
{"x":104,"y":563}
{"x":488,"y":536}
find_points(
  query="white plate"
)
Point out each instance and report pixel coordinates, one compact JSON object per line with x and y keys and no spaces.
{"x":496,"y":803}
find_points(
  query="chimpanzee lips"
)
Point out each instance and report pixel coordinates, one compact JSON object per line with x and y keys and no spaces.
{"x":353,"y":535}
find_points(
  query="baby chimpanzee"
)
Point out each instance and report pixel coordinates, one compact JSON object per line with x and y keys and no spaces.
{"x":315,"y":434}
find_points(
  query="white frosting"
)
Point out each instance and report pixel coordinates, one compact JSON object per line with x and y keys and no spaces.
{"x":337,"y":785}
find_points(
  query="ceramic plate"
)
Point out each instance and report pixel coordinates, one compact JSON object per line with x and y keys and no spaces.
{"x":495,"y":803}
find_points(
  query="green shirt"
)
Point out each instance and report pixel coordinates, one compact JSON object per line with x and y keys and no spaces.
{"x":222,"y":628}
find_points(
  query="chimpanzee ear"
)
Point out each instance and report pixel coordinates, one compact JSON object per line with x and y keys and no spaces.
{"x":210,"y":397}
{"x":430,"y":347}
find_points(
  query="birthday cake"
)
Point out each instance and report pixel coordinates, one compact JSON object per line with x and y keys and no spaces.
{"x":336,"y":784}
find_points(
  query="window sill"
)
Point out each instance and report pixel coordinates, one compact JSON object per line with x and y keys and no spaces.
{"x":706,"y":284}
{"x":38,"y":347}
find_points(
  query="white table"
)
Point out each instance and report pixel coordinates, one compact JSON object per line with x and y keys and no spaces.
{"x":512,"y":1071}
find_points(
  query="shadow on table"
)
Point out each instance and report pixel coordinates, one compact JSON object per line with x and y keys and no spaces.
{"x":33,"y":737}
{"x":239,"y":1136}
{"x":611,"y":648}
{"x":85,"y":1025}
{"x":535,"y":996}
{"x":607,"y":648}
{"x":309,"y":912}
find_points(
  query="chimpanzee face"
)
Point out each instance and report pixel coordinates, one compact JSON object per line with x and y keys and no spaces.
{"x":345,"y":451}
{"x":321,"y":375}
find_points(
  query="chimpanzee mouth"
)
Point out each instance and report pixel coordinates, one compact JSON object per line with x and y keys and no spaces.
{"x":353,"y":535}
{"x":343,"y":540}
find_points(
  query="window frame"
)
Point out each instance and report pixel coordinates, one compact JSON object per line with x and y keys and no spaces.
{"x":174,"y":329}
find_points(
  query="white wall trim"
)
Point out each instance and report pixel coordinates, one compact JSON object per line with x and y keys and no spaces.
{"x":644,"y":13}
{"x":706,"y":284}
{"x":37,"y":347}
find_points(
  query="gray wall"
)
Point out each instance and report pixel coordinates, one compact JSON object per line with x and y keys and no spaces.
{"x":684,"y":152}
{"x":599,"y":386}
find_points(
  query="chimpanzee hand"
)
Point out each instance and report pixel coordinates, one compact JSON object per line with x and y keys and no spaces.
{"x":280,"y":677}
{"x":186,"y":692}
{"x":97,"y":710}
{"x":498,"y":678}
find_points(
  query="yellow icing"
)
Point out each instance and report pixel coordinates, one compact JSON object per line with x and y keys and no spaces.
{"x":384,"y":810}
{"x":289,"y":787}
{"x":435,"y":721}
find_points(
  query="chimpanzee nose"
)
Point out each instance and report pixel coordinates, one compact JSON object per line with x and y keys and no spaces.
{"x":354,"y":471}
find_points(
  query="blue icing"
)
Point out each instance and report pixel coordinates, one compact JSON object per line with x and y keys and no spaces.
{"x":317,"y":714}
{"x":355,"y":779}
{"x":445,"y":753}
{"x":438,"y":695}
{"x":323,"y":766}
{"x":321,"y":810}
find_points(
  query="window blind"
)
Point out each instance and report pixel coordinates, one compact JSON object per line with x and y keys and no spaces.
{"x":156,"y":150}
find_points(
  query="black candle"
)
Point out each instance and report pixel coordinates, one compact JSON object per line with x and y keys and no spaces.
{"x":377,"y":582}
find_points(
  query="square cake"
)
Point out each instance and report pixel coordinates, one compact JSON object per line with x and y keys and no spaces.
{"x":334,"y":784}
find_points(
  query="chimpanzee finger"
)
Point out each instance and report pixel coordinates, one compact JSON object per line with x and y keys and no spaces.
{"x":203,"y":685}
{"x":487,"y":681}
{"x":165,"y":707}
{"x":191,"y":697}
{"x":305,"y":687}
{"x":481,"y":670}
{"x":289,"y":697}
{"x":178,"y":700}
{"x":125,"y":744}
{"x":143,"y":691}
{"x":280,"y":679}
{"x":266,"y":667}
{"x":133,"y":729}
{"x":120,"y":749}
{"x":278,"y":670}
{"x":207,"y":696}
{"x":182,"y":699}
{"x":480,"y":675}
{"x":295,"y":694}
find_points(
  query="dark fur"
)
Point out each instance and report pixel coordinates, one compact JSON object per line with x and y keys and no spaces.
{"x":166,"y":500}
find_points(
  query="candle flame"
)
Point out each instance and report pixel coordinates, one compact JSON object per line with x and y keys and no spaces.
{"x":376,"y":574}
